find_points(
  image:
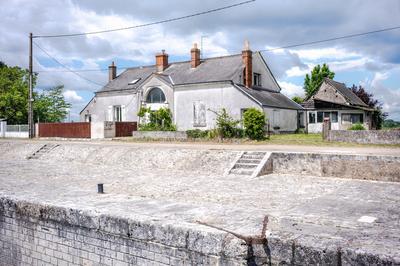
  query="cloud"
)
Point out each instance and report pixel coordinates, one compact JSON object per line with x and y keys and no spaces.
{"x":72,"y":96}
{"x":390,"y":97}
{"x":291,"y":89}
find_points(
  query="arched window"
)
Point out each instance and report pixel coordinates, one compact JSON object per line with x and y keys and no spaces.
{"x":155,"y":95}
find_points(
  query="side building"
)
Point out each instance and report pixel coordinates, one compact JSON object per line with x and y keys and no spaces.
{"x":337,"y":102}
{"x":193,"y":90}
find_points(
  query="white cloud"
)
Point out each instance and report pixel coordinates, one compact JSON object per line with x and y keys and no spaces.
{"x":327,"y":53}
{"x":291,"y":89}
{"x":72,"y":96}
{"x":389,"y":97}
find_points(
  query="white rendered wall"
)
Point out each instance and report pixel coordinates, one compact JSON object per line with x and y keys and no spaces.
{"x":215,"y":97}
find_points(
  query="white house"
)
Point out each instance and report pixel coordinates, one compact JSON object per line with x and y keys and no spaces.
{"x":334,"y":100}
{"x":193,"y":89}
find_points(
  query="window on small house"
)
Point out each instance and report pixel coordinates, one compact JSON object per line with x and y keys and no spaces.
{"x":117,"y":111}
{"x":311,"y":118}
{"x":352,"y":118}
{"x":334,"y":117}
{"x":320,"y":117}
{"x":257,"y":79}
{"x":357,"y":118}
{"x":155,"y":95}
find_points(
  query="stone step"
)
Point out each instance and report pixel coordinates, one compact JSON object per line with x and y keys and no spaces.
{"x":245,"y":160}
{"x":245,"y":166}
{"x":252,"y":156}
{"x":242,"y":172}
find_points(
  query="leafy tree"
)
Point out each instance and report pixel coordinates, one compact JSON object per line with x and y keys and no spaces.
{"x":14,"y":89}
{"x":313,"y":81}
{"x":254,"y":121}
{"x":390,"y":123}
{"x":50,"y":105}
{"x":378,"y":116}
{"x":297,"y":99}
{"x":160,"y":120}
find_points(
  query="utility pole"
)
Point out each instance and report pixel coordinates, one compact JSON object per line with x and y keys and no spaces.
{"x":31,"y":126}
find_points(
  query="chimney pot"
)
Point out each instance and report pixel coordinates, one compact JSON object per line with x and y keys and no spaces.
{"x":112,"y":71}
{"x":161,"y":61}
{"x":195,"y":54}
{"x":247,"y":56}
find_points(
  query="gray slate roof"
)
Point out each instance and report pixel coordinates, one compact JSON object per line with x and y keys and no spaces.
{"x":212,"y":69}
{"x":346,"y":92}
{"x":269,"y":98}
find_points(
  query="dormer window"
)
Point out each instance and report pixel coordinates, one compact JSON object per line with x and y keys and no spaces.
{"x":134,"y":81}
{"x":257,"y":79}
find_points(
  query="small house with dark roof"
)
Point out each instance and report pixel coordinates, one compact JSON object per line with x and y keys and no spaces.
{"x":193,"y":90}
{"x":335,"y":101}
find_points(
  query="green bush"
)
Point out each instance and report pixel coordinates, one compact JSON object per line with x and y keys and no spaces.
{"x":226,"y":125}
{"x":160,"y":120}
{"x":197,"y":133}
{"x":254,"y":121}
{"x":357,"y":126}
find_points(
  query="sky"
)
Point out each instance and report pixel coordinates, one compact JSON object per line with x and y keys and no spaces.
{"x":372,"y":61}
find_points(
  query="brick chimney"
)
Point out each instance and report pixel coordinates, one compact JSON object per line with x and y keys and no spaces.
{"x":247,"y":55}
{"x":195,"y":52}
{"x":161,"y":61}
{"x":112,"y":71}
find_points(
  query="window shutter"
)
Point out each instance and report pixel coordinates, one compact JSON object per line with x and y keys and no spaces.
{"x":109,"y":113}
{"x":123,"y":115}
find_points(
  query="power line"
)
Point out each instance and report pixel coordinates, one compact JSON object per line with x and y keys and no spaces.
{"x":64,"y":66}
{"x":146,"y":24}
{"x":331,"y":39}
{"x":264,"y":50}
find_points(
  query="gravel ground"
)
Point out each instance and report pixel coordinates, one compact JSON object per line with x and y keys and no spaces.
{"x":190,"y":184}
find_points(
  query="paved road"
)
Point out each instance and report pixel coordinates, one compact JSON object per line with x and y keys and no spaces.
{"x":368,"y":150}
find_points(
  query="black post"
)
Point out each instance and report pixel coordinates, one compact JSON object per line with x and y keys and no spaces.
{"x":30,"y":100}
{"x":100,"y":189}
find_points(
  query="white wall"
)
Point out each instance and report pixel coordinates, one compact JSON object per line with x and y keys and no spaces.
{"x":285,"y":119}
{"x":99,"y":107}
{"x":215,"y":97}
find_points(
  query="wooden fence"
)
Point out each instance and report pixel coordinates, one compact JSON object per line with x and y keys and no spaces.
{"x":125,"y":129}
{"x":64,"y":130}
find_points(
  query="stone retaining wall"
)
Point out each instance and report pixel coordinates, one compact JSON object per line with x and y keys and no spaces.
{"x":178,"y":135}
{"x":34,"y":234}
{"x":365,"y":136}
{"x":382,"y":168}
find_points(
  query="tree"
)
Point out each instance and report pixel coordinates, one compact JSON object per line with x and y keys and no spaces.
{"x":14,"y":89}
{"x":312,"y":83}
{"x":378,"y":116}
{"x":50,"y":105}
{"x":297,"y":99}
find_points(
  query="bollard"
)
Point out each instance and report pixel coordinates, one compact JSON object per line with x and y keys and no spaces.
{"x":100,"y":189}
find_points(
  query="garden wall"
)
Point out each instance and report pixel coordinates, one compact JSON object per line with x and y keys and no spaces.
{"x":178,"y":135}
{"x":365,"y":136}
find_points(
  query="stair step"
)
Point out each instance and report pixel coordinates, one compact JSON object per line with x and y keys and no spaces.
{"x":245,"y":160}
{"x":245,"y":166}
{"x":250,"y":156}
{"x":241,"y":172}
